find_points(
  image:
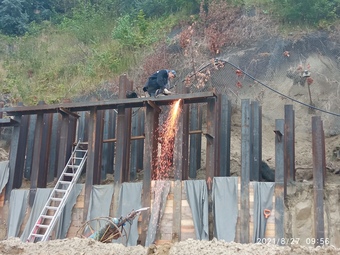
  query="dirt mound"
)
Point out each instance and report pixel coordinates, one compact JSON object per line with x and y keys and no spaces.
{"x":89,"y":246}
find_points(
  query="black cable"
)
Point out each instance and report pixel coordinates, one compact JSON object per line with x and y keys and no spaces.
{"x":278,"y":92}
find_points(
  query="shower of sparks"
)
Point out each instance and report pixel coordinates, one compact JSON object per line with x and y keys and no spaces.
{"x":163,"y":167}
{"x":167,"y":134}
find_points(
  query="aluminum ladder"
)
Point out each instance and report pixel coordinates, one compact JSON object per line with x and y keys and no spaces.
{"x":58,"y":198}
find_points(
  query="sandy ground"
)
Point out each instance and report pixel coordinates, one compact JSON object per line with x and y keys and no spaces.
{"x":89,"y":246}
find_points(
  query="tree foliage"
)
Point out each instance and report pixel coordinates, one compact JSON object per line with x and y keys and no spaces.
{"x":13,"y":19}
{"x":307,"y":11}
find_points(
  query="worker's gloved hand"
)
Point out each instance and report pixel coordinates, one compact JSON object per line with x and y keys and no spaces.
{"x":166,"y":92}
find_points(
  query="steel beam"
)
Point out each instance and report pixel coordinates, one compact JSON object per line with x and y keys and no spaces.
{"x":110,"y":104}
{"x":279,"y":181}
{"x":318,"y":179}
{"x":289,"y":135}
{"x":149,"y":164}
{"x":245,"y":170}
{"x":225,"y":132}
{"x":256,"y":124}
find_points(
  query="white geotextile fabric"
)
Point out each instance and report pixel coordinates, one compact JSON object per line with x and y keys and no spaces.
{"x":130,"y":198}
{"x":17,"y":209}
{"x":197,"y":196}
{"x":225,"y":199}
{"x":4,"y":174}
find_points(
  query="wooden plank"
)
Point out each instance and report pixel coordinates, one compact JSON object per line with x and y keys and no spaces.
{"x":245,"y":171}
{"x":177,"y":211}
{"x":279,"y":180}
{"x":201,"y":97}
{"x":318,"y":182}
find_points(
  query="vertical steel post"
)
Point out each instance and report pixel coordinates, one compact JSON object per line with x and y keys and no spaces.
{"x":318,"y":179}
{"x":289,"y":143}
{"x":210,"y":158}
{"x":279,"y":180}
{"x":256,"y":117}
{"x":245,"y":170}
{"x":225,"y":131}
{"x":149,"y":164}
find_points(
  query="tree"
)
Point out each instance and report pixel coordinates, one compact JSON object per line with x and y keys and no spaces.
{"x":13,"y":20}
{"x":38,"y":10}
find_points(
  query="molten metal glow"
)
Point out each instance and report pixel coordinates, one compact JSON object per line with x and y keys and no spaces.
{"x":167,"y":134}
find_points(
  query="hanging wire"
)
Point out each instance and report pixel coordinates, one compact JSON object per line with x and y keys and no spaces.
{"x":264,"y":85}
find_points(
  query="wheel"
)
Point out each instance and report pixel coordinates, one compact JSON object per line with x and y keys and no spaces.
{"x":101,"y":229}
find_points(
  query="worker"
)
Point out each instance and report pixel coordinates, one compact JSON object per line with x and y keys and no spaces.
{"x":159,"y":82}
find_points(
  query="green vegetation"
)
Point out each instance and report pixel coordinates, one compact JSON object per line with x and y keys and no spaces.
{"x":55,"y":49}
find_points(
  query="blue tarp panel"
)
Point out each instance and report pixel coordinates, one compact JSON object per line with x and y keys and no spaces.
{"x":225,"y":199}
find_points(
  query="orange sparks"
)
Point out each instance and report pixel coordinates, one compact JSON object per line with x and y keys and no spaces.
{"x":167,"y":139}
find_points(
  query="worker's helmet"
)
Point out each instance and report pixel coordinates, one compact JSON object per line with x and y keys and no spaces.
{"x":173,"y":72}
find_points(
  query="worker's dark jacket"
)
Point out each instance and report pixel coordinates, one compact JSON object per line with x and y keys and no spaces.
{"x":156,"y":81}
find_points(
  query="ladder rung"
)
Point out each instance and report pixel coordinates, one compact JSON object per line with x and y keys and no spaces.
{"x":73,"y":166}
{"x":65,"y":182}
{"x":37,"y":235}
{"x":51,"y":207}
{"x":61,"y":190}
{"x":68,"y":174}
{"x":42,"y":226}
{"x":72,"y":169}
{"x":77,"y":157}
{"x":77,"y":150}
{"x":56,"y":199}
{"x":46,"y":216}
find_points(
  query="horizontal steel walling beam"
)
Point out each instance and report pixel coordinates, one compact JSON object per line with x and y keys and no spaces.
{"x":109,"y":104}
{"x":140,"y":137}
{"x":8,"y":122}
